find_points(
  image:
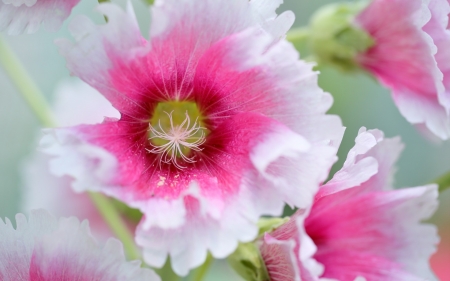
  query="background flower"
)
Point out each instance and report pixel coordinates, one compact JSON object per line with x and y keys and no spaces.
{"x":44,"y":247}
{"x":363,"y":227}
{"x":410,"y":56}
{"x":41,"y":189}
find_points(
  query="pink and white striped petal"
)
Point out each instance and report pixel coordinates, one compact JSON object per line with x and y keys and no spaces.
{"x":45,"y":248}
{"x":19,"y":16}
{"x":365,"y":227}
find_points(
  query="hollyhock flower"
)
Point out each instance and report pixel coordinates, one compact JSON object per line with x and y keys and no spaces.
{"x":41,"y":189}
{"x":45,"y":248}
{"x":410,"y":57}
{"x":18,"y":16}
{"x":220,"y":123}
{"x":360,"y":226}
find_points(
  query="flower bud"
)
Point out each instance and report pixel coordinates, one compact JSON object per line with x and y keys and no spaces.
{"x":335,"y":38}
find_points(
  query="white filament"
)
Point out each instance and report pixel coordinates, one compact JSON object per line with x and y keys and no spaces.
{"x":177,"y":137}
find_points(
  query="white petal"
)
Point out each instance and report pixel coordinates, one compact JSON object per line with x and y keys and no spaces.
{"x":18,"y":16}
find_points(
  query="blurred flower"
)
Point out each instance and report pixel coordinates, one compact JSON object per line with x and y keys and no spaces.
{"x":45,"y":248}
{"x":405,"y":58}
{"x":41,"y":189}
{"x":403,"y":44}
{"x":220,"y":123}
{"x":18,"y":16}
{"x":359,"y":226}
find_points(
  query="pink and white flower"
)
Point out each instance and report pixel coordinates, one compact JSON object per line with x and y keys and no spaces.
{"x":411,"y":57}
{"x":41,"y":189}
{"x":220,"y":123}
{"x":360,"y":226}
{"x":18,"y":16}
{"x":45,"y":248}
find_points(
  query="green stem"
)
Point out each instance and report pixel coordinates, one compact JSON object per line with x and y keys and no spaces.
{"x":116,"y":224}
{"x":200,"y":272}
{"x":33,"y":96}
{"x":443,"y":182}
{"x":29,"y":90}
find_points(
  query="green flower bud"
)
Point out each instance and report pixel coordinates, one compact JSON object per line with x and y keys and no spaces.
{"x":335,"y":39}
{"x":247,"y":262}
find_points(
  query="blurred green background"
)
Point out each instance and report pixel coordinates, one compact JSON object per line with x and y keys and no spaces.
{"x":359,"y":100}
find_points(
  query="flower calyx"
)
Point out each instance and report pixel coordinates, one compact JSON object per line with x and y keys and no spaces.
{"x":247,"y":262}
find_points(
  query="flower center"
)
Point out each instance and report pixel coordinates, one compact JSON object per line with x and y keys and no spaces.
{"x":176,"y":130}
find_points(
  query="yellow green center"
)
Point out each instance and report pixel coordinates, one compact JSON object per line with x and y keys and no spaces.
{"x":177,"y":128}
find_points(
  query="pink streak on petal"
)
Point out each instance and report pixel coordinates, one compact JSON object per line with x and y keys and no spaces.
{"x":280,"y":259}
{"x":347,"y":265}
{"x":63,"y":267}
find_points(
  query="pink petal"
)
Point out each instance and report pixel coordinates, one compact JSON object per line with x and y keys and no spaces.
{"x":348,"y":265}
{"x":89,"y":58}
{"x":17,"y":16}
{"x":280,"y":259}
{"x":381,"y":228}
{"x":365,"y":228}
{"x":370,"y":164}
{"x":403,"y":58}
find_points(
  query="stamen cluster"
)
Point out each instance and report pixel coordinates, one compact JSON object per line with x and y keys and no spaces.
{"x":179,"y":139}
